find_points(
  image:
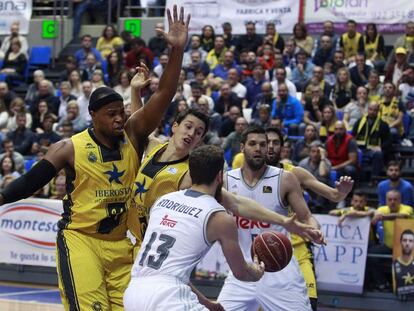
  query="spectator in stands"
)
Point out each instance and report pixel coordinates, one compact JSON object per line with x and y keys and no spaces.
{"x":60,"y":187}
{"x":196,"y":93}
{"x":70,"y":65}
{"x":47,"y":137}
{"x":157,"y":44}
{"x":228,"y":124}
{"x":226,"y":100}
{"x":90,"y":67}
{"x":318,"y":80}
{"x":38,"y":75}
{"x":406,"y":40}
{"x":72,"y":115}
{"x":236,"y":87}
{"x":76,"y":83}
{"x":356,"y":108}
{"x":222,"y":70}
{"x":388,"y":213}
{"x":352,"y":42}
{"x":344,"y":91}
{"x":278,"y":63}
{"x":286,"y":153}
{"x":266,"y":97}
{"x":97,"y":79}
{"x":264,"y":117}
{"x":109,"y":41}
{"x":7,"y":168}
{"x":314,"y":104}
{"x":247,"y":62}
{"x":46,"y":93}
{"x":251,"y":40}
{"x":374,"y":46}
{"x":301,"y":149}
{"x":360,"y":72}
{"x":14,"y":63}
{"x":195,"y":45}
{"x":406,"y":88}
{"x":276,"y":39}
{"x":83,"y":101}
{"x":374,"y":86}
{"x":17,"y":106}
{"x":357,"y":209}
{"x":159,"y":69}
{"x":232,"y":141}
{"x":303,"y":41}
{"x":302,"y":72}
{"x":115,"y":66}
{"x":338,"y":61}
{"x":281,"y":78}
{"x":395,"y":182}
{"x":392,"y":111}
{"x":325,"y":52}
{"x":319,"y":166}
{"x":207,"y":38}
{"x":373,"y":137}
{"x":326,"y":127}
{"x":288,"y":109}
{"x":8,"y":150}
{"x":289,"y":54}
{"x":196,"y":65}
{"x":214,"y":125}
{"x":86,"y":49}
{"x":6,"y":96}
{"x":14,"y":34}
{"x":328,"y":74}
{"x":64,"y":98}
{"x":254,"y":84}
{"x":216,"y":55}
{"x":23,"y":138}
{"x":342,"y":151}
{"x":183,"y":88}
{"x":229,"y":39}
{"x":396,"y":66}
{"x":40,"y":112}
{"x":153,"y":86}
{"x":66,"y":129}
{"x":328,"y":31}
{"x":266,"y":56}
{"x":139,"y":53}
{"x":123,"y":88}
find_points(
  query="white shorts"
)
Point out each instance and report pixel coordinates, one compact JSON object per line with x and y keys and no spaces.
{"x":284,"y":290}
{"x":158,"y":293}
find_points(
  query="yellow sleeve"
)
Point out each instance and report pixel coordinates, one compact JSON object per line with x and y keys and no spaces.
{"x":237,"y":161}
{"x":117,"y":42}
{"x":406,"y":209}
{"x":99,"y":44}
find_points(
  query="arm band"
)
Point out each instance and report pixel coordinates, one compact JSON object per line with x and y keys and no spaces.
{"x":29,"y":183}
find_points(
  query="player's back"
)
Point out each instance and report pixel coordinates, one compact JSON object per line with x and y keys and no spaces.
{"x":176,"y":237}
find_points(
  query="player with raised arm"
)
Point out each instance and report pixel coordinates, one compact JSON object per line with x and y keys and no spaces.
{"x":182,"y":227}
{"x":94,"y":256}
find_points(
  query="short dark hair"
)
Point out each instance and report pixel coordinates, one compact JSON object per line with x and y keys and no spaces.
{"x":406,"y":231}
{"x":6,"y":141}
{"x":253,"y":129}
{"x":394,"y":163}
{"x":194,"y":112}
{"x":360,"y":193}
{"x":278,"y":132}
{"x":351,"y":21}
{"x":205,"y":163}
{"x":86,"y":36}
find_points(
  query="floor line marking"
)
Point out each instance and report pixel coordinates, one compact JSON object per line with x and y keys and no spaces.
{"x":29,"y":292}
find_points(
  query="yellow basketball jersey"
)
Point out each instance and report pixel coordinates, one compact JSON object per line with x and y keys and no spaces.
{"x":100,"y":188}
{"x":154,"y":179}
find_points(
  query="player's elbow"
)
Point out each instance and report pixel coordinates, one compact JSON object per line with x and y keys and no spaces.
{"x":242,"y":274}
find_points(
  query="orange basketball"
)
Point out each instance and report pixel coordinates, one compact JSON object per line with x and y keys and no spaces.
{"x":274,"y":249}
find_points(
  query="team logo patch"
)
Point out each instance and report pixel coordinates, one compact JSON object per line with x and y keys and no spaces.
{"x":172,"y":170}
{"x":267,"y":189}
{"x":97,"y":306}
{"x":92,"y":157}
{"x":89,"y":146}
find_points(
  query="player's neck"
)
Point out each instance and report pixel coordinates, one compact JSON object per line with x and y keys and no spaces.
{"x":171,"y":153}
{"x":251,"y":177}
{"x":207,"y":189}
{"x":406,"y":259}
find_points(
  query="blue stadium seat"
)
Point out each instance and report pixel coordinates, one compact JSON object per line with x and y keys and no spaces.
{"x":228,"y":156}
{"x":340,"y":115}
{"x":379,"y":230}
{"x":333,"y":175}
{"x":28,"y":163}
{"x":40,"y":57}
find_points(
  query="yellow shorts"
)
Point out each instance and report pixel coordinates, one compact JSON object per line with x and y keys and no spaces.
{"x":304,"y":257}
{"x":93,"y":273}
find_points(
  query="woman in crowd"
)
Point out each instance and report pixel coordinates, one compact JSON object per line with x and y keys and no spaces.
{"x":7,"y":168}
{"x":303,"y":41}
{"x":327,"y":125}
{"x":109,"y":41}
{"x":76,"y":84}
{"x":14,"y":62}
{"x":40,"y":112}
{"x":207,"y":38}
{"x":97,"y":79}
{"x":124,"y":88}
{"x":72,"y":115}
{"x":17,"y":106}
{"x":114,"y":68}
{"x":374,"y":86}
{"x":344,"y":91}
{"x":374,"y":46}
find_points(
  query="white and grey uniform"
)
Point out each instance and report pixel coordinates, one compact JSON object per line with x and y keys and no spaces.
{"x":175,"y":241}
{"x":282,"y":290}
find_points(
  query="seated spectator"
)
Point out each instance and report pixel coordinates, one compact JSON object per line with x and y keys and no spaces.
{"x":123,"y":88}
{"x":286,"y":153}
{"x":178,"y":105}
{"x":374,"y":86}
{"x":281,"y":77}
{"x":250,"y":40}
{"x":8,"y":150}
{"x":344,"y":91}
{"x":266,"y":56}
{"x":226,"y":99}
{"x":139,"y":53}
{"x":328,"y":31}
{"x":302,"y":146}
{"x":46,"y":94}
{"x":396,"y":66}
{"x":196,"y":93}
{"x":326,"y":127}
{"x":317,"y":80}
{"x":352,"y":42}
{"x":207,"y":38}
{"x":395,"y":182}
{"x":356,"y":109}
{"x":289,"y":54}
{"x":254,"y":84}
{"x":319,"y":166}
{"x":406,"y":40}
{"x":6,"y":96}
{"x":163,"y":60}
{"x":70,"y":65}
{"x":64,"y":98}
{"x":360,"y":72}
{"x":278,"y":63}
{"x":14,"y":34}
{"x":338,"y":61}
{"x":357,"y":209}
{"x":66,"y":129}
{"x":247,"y":64}
{"x":392,"y":111}
{"x":289,"y":110}
{"x":23,"y":138}
{"x":38,"y":75}
{"x":229,"y":38}
{"x":325,"y":52}
{"x":90,"y":66}
{"x":86,"y":49}
{"x":328,"y":74}
{"x":393,"y":209}
{"x":14,"y":63}
{"x":59,"y":187}
{"x":76,"y":83}
{"x":276,"y":38}
{"x":232,"y":141}
{"x":233,"y":78}
{"x":373,"y":138}
{"x":115,"y":66}
{"x":196,"y":65}
{"x":183,"y":88}
{"x":157,"y":44}
{"x":153,"y":86}
{"x":228,"y":124}
{"x":40,"y":112}
{"x":222,"y":70}
{"x":263,"y":116}
{"x":195,"y":45}
{"x":72,"y":115}
{"x":17,"y":106}
{"x":7,"y":167}
{"x":211,"y":137}
{"x":302,"y":72}
{"x":216,"y":55}
{"x":47,"y":136}
{"x":374,"y":46}
{"x":109,"y":41}
{"x":342,"y":151}
{"x":314,"y":105}
{"x":406,"y":88}
{"x":97,"y":79}
{"x":83,"y":101}
{"x":266,"y":97}
{"x":303,"y":41}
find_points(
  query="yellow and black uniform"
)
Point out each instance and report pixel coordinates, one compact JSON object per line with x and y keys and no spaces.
{"x":153,"y":180}
{"x":402,"y":275}
{"x":374,"y":46}
{"x":352,"y":46}
{"x":390,"y":112}
{"x":94,"y":256}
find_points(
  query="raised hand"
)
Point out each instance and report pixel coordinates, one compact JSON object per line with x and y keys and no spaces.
{"x":177,"y":28}
{"x":141,"y":78}
{"x":344,"y":185}
{"x":305,"y":231}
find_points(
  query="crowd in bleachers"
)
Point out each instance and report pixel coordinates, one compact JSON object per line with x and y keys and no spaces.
{"x":345,"y":102}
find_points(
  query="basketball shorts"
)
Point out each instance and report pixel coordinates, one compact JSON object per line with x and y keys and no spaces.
{"x":284,"y":290}
{"x":160,"y":293}
{"x":93,"y":273}
{"x":304,"y":256}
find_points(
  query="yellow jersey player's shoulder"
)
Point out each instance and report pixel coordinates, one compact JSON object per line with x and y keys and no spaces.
{"x":287,"y":166}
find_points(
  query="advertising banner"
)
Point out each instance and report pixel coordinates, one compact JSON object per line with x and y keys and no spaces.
{"x":15,"y":11}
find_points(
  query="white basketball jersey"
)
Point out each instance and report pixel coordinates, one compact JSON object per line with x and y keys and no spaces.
{"x":267,"y":193}
{"x":176,"y":237}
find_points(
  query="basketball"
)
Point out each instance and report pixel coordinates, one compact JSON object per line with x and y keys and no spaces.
{"x":274,"y":249}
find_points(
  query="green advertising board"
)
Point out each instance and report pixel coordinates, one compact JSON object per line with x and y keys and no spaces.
{"x":50,"y":29}
{"x":133,"y":25}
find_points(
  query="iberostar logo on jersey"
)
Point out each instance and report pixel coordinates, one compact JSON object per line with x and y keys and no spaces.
{"x":113,"y":193}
